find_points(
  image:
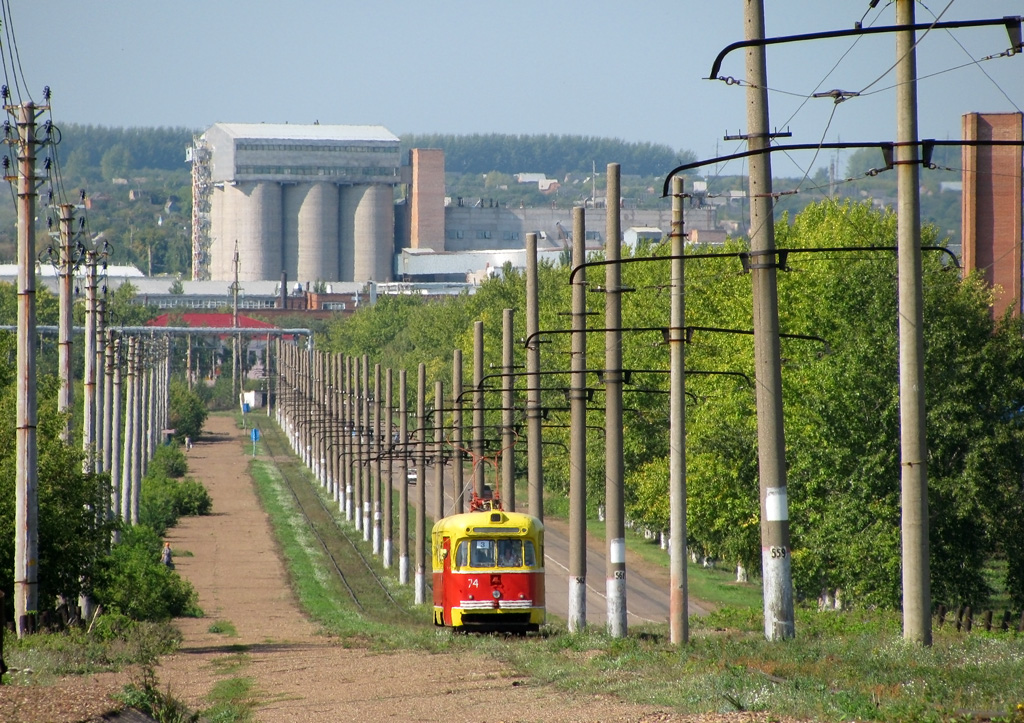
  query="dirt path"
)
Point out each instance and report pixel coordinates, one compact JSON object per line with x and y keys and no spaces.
{"x":300,"y":674}
{"x":297,"y":673}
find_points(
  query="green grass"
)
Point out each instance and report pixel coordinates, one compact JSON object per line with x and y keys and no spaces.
{"x":850,"y":665}
{"x":223,"y":627}
{"x":233,"y":701}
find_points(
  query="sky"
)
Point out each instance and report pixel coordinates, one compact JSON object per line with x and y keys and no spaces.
{"x":629,"y":70}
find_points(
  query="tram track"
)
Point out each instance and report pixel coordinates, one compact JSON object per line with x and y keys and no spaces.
{"x":365,"y":587}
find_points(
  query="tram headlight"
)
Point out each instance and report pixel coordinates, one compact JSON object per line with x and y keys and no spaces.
{"x":497,"y":594}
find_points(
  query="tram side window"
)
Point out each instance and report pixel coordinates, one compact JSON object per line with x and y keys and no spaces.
{"x":481,"y":553}
{"x":531,"y":555}
{"x":461,"y":554}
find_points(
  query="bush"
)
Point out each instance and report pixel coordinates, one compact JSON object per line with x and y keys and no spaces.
{"x":164,"y":500}
{"x":168,"y":461}
{"x":188,"y":410}
{"x":132,"y":582}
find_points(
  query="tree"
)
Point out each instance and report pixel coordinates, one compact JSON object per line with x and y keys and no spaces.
{"x":187,"y":411}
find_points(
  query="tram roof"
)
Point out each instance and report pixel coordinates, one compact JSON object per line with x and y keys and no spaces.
{"x":511,"y":521}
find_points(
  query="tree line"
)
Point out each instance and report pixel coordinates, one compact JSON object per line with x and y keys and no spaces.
{"x":841,"y":405}
{"x":547,"y":153}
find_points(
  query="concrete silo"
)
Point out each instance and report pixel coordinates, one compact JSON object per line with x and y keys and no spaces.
{"x":315,"y":201}
{"x":249,"y":214}
{"x":367,"y":233}
{"x":311,"y":231}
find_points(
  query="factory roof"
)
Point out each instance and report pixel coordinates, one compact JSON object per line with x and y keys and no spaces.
{"x":317,"y":132}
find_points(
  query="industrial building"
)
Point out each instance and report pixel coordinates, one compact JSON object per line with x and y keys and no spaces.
{"x":993,"y":206}
{"x":318,"y":203}
{"x":315,"y":202}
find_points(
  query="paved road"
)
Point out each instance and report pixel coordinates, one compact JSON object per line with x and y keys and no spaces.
{"x":647,"y":585}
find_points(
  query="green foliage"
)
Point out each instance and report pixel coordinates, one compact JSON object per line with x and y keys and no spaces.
{"x":841,"y":404}
{"x":164,"y":500}
{"x":168,"y":461}
{"x":112,"y":642}
{"x":72,"y":531}
{"x":188,"y":410}
{"x":219,"y":397}
{"x":132,"y":582}
{"x":551,"y":154}
{"x":145,"y":695}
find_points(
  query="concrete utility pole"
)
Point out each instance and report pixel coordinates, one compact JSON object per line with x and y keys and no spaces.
{"x":438,"y":450}
{"x":389,"y":483}
{"x":421,"y":483}
{"x":577,"y":618}
{"x":365,"y":435}
{"x":376,"y":452}
{"x":534,"y":447}
{"x":614,"y":473}
{"x":508,"y":435}
{"x":678,"y":618}
{"x":347,"y":429}
{"x":457,"y":468}
{"x":129,"y":422}
{"x":234,"y":323}
{"x":89,"y":374}
{"x":917,"y":621}
{"x":478,"y":408}
{"x":66,"y":271}
{"x":26,"y":484}
{"x":116,"y":493}
{"x":108,"y":402}
{"x":138,"y":463}
{"x":771,"y":441}
{"x":357,"y":440}
{"x":99,"y":431}
{"x":403,"y":487}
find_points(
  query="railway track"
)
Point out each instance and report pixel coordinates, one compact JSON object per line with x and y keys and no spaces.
{"x":356,"y":573}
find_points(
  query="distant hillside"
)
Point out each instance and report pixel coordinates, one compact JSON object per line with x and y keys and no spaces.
{"x":90,"y":152}
{"x":551,"y":154}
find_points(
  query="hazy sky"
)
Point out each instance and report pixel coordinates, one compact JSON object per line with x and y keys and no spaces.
{"x":630,"y":70}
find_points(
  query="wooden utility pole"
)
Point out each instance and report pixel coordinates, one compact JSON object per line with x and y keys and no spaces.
{"x":771,"y":440}
{"x":917,"y":622}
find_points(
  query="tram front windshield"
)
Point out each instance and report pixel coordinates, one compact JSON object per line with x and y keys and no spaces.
{"x":496,"y":553}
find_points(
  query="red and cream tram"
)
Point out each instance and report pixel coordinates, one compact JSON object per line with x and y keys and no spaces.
{"x":488,"y":569}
